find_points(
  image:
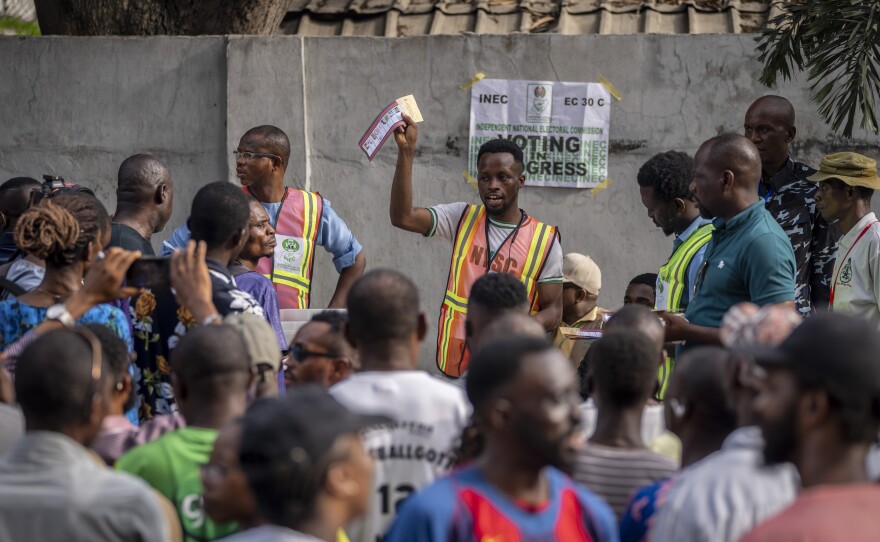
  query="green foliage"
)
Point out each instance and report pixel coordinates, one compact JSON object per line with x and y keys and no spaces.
{"x":18,"y":27}
{"x":837,"y":42}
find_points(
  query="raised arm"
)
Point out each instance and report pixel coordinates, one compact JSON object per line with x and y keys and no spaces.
{"x":403,"y":214}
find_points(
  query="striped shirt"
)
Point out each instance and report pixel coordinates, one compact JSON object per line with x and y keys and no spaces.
{"x":616,"y":473}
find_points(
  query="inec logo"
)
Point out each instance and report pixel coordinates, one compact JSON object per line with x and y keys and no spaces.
{"x":539,"y":100}
{"x":846,"y":274}
{"x":290,"y":245}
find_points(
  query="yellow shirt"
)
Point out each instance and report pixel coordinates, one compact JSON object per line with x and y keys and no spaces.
{"x":575,"y":349}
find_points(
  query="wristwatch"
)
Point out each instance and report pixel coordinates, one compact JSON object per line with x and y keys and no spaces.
{"x":59,"y":312}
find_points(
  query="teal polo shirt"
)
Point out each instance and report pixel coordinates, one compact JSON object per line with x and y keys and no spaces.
{"x":749,"y":258}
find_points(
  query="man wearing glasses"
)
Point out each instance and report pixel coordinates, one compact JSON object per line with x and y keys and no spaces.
{"x":301,"y":220}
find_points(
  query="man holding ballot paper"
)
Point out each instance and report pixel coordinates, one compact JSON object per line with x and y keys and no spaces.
{"x":496,"y":236}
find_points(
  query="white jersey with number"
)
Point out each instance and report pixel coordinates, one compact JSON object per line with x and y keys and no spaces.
{"x":429,"y":415}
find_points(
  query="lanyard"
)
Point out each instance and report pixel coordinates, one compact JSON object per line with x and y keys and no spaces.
{"x":490,"y":259}
{"x":842,"y":263}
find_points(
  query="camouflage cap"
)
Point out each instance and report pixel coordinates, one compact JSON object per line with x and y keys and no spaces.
{"x":849,"y":167}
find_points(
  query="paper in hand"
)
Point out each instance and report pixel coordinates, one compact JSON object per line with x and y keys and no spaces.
{"x":387,"y":121}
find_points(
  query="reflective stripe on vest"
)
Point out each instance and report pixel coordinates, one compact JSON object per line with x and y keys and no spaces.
{"x":296,"y":230}
{"x":523,"y":254}
{"x":671,"y":278}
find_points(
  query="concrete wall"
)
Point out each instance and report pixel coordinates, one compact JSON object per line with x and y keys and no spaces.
{"x":78,"y":106}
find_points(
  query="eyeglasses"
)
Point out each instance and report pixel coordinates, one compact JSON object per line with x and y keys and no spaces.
{"x":95,"y":347}
{"x":300,"y":354}
{"x":248,"y":156}
{"x":213,"y":469}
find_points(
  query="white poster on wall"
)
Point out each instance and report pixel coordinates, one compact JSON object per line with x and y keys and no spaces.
{"x":562,"y":128}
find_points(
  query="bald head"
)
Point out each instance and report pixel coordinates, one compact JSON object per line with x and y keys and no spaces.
{"x":639,"y":318}
{"x":775,"y":108}
{"x":139,"y":176}
{"x":735,"y":153}
{"x":211,"y":362}
{"x":383,"y":305}
{"x":769,"y":124}
{"x":511,"y":324}
{"x":697,"y":388}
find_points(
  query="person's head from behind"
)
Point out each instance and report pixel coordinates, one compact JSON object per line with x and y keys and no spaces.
{"x":63,"y":384}
{"x":116,"y":353}
{"x":727,"y":169}
{"x":847,"y":181}
{"x":261,"y":235}
{"x":500,"y":175}
{"x":144,"y":186}
{"x":624,"y":371}
{"x":525,"y":401}
{"x":664,"y":186}
{"x":383,"y":313}
{"x":304,"y":459}
{"x":819,"y":401}
{"x":696,"y":403}
{"x":68,"y":229}
{"x":637,"y":317}
{"x":319,"y":352}
{"x":15,"y":198}
{"x":581,"y":282}
{"x":641,"y":290}
{"x":513,"y":324}
{"x":492,"y":296}
{"x":210,"y":368}
{"x":227,"y":495}
{"x":219,"y":217}
{"x":769,"y":125}
{"x":263,"y":154}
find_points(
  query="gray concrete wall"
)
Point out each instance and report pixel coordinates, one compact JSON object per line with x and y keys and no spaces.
{"x":77,"y":107}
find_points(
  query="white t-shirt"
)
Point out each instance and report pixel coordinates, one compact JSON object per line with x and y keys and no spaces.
{"x":429,"y":416}
{"x":445,"y":222}
{"x":856,"y":273}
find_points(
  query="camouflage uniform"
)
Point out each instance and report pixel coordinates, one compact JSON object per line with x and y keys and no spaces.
{"x":789,"y":198}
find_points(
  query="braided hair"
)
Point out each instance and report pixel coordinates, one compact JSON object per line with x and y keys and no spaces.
{"x":59,"y":229}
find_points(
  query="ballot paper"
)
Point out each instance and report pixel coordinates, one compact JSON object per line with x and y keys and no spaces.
{"x":580,"y":334}
{"x":387,"y":121}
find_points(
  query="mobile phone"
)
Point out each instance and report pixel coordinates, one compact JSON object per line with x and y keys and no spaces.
{"x":150,"y":272}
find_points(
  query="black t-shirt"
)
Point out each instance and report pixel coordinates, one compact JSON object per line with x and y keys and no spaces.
{"x":128,"y":238}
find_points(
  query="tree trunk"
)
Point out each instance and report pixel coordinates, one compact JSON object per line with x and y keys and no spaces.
{"x":159,"y":17}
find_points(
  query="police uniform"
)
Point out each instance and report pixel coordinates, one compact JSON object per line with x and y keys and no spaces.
{"x":789,"y":198}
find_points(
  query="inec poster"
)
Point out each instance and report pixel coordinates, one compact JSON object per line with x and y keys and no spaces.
{"x":561,"y":127}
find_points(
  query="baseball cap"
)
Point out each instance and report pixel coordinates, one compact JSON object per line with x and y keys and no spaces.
{"x":582,"y":271}
{"x":852,"y":168}
{"x":836,"y":350}
{"x":259,"y":338}
{"x":296,"y":431}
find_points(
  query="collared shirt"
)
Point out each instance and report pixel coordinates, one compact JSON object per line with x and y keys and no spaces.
{"x":159,"y":323}
{"x":696,"y":261}
{"x":857,"y":271}
{"x":723,"y":496}
{"x":333,"y":234}
{"x":51,"y":488}
{"x":575,"y":350}
{"x":789,"y":198}
{"x":749,"y":258}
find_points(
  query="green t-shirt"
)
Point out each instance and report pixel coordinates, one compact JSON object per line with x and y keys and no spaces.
{"x":171,"y":465}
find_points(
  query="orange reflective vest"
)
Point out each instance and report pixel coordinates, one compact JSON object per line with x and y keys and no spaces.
{"x":296,"y":232}
{"x":522,"y":254}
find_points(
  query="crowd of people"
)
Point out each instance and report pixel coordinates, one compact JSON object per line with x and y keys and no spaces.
{"x":735,"y":394}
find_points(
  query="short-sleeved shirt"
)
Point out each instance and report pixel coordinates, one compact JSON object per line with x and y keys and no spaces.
{"x":749,"y":258}
{"x":263,"y":291}
{"x":171,"y":466}
{"x":465,"y":507}
{"x":444,"y":223}
{"x":24,"y":273}
{"x":857,"y":271}
{"x":159,"y":323}
{"x":333,"y":234}
{"x":824,"y":513}
{"x":128,"y":238}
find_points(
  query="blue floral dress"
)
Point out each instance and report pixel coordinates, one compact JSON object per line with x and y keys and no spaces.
{"x":17,"y":318}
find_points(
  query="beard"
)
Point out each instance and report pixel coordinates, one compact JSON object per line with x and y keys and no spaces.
{"x":780,"y":439}
{"x":554,"y":452}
